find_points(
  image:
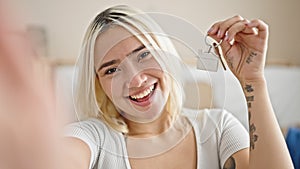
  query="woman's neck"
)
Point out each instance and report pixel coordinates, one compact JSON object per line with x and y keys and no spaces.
{"x":156,"y":127}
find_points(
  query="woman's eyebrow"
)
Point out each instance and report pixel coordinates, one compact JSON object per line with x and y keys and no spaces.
{"x":106,"y":64}
{"x":136,"y":50}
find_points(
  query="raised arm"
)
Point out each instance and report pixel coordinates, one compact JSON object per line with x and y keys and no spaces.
{"x":244,"y":48}
{"x":28,"y":122}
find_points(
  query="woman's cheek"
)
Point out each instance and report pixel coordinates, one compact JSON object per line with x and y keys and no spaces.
{"x":106,"y":87}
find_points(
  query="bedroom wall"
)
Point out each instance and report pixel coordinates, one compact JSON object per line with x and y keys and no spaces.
{"x":66,"y":20}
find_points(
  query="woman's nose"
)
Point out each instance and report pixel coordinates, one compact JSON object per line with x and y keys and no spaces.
{"x":138,"y":80}
{"x":135,"y":76}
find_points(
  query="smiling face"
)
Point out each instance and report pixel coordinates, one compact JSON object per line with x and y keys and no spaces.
{"x":130,"y":75}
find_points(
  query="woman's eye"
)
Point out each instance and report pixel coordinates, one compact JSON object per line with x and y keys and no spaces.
{"x":111,"y":71}
{"x":143,"y":55}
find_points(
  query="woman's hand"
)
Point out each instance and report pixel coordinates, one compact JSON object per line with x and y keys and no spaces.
{"x":244,"y":46}
{"x":28,"y":117}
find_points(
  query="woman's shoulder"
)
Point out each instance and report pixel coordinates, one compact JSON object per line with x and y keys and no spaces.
{"x":90,"y":129}
{"x":104,"y":142}
{"x":88,"y":124}
{"x":208,"y":122}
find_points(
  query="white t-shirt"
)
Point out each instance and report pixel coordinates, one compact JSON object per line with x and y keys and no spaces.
{"x":218,"y":135}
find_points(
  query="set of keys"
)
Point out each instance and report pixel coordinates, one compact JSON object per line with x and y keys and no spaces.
{"x":209,"y":60}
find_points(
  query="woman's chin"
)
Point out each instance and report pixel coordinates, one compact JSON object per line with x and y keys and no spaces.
{"x":143,"y":114}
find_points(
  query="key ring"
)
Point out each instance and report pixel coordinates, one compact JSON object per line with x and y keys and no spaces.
{"x":215,"y":45}
{"x":210,"y":45}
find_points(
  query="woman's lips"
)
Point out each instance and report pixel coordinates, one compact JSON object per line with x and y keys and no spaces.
{"x":143,"y":98}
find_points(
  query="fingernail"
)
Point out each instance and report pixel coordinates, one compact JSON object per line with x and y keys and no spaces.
{"x":226,"y":37}
{"x":219,"y":34}
{"x":210,"y":30}
{"x":248,"y":24}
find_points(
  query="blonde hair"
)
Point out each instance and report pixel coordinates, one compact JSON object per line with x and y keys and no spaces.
{"x":90,"y":99}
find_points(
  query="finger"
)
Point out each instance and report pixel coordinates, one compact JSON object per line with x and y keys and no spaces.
{"x":213,"y":29}
{"x":261,"y":26}
{"x":220,"y":28}
{"x":225,"y":45}
{"x":249,"y":30}
{"x":235,"y":29}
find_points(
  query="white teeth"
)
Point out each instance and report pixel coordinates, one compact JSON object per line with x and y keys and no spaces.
{"x":144,"y":93}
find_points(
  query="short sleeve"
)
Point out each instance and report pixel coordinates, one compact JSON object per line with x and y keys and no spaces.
{"x":234,"y":136}
{"x":87,"y":131}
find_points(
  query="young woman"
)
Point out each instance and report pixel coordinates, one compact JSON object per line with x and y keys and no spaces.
{"x":128,"y":90}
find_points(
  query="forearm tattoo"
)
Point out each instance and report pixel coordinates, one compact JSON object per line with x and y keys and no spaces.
{"x":250,"y":98}
{"x":249,"y":88}
{"x":250,"y":57}
{"x":253,"y":136}
{"x":230,"y":163}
